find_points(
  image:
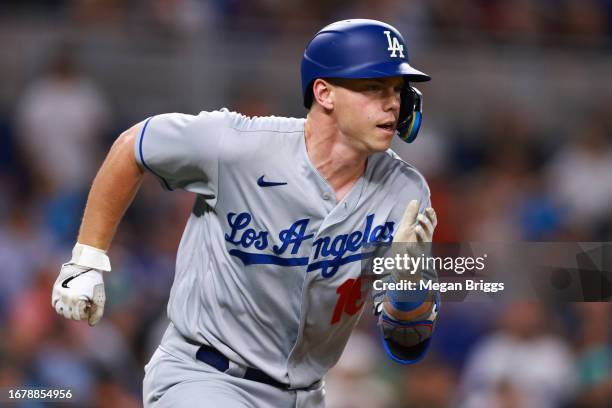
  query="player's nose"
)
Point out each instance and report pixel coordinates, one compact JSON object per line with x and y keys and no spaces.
{"x":392,"y":101}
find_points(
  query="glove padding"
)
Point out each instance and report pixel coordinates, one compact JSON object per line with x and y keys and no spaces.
{"x":78,"y":292}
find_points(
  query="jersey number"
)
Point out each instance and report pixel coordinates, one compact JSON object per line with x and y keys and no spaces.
{"x":349,"y":299}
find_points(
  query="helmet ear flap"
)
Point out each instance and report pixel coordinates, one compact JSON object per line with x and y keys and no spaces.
{"x":411,"y":110}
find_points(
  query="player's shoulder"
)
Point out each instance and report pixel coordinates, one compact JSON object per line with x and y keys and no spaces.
{"x":232,"y":121}
{"x":263,"y":124}
{"x":271,"y":124}
{"x":390,"y":166}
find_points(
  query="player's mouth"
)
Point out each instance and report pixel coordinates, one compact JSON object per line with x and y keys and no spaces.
{"x":388,"y":127}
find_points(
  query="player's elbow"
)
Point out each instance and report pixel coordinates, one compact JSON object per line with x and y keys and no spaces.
{"x":123,"y":147}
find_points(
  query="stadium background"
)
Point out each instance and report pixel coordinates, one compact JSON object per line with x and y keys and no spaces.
{"x":516,"y":145}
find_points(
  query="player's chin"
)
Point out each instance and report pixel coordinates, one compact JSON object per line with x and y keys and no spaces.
{"x":382,"y":139}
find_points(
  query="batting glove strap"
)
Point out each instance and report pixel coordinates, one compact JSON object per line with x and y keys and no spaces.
{"x":90,"y":257}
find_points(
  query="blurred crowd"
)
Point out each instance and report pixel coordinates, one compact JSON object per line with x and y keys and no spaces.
{"x":517,"y":20}
{"x":503,"y":178}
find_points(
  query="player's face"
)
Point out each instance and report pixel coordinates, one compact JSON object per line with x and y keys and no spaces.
{"x":367,"y":110}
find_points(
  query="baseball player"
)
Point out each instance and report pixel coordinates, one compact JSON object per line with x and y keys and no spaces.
{"x":269,"y":281}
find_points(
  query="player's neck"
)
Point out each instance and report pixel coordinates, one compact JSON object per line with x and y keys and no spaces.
{"x":338,"y":162}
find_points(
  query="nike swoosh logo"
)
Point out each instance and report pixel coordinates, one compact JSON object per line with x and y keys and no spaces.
{"x":68,"y":279}
{"x":263,"y":183}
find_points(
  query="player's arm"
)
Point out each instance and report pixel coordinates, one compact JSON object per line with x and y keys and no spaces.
{"x":408,"y":316}
{"x":112,"y":192}
{"x":78,"y":292}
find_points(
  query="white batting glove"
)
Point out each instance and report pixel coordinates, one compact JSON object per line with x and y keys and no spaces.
{"x":416,"y":227}
{"x":414,"y":233}
{"x":416,"y":230}
{"x":78,"y":292}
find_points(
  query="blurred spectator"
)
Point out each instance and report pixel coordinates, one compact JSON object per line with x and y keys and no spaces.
{"x":98,"y":11}
{"x":594,"y":360}
{"x":487,"y":204}
{"x":586,"y":17}
{"x":59,"y":365}
{"x":11,"y":372}
{"x":521,"y":365}
{"x":461,"y":326}
{"x":580,"y":177}
{"x":29,"y":322}
{"x":183,"y":16}
{"x":110,"y":394}
{"x":350,"y":383}
{"x":538,"y":216}
{"x":60,"y":118}
{"x":24,"y":249}
{"x":429,"y":384}
{"x":251,"y":98}
{"x":429,"y":155}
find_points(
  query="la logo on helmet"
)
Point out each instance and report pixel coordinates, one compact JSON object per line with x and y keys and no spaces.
{"x":394,"y":45}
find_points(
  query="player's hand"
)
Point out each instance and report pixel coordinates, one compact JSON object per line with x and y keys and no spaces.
{"x":414,"y":233}
{"x":78,"y":292}
{"x":416,"y":227}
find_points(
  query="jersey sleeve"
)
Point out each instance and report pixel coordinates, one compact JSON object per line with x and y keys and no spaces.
{"x":395,"y":334}
{"x":183,"y":150}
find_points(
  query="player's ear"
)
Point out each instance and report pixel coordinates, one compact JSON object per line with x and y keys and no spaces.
{"x":323,"y":93}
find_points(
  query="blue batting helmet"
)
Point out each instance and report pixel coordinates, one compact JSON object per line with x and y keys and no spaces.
{"x":363,"y":48}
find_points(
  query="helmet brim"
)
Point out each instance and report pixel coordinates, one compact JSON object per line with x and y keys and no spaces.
{"x":365,"y":71}
{"x":387,"y":70}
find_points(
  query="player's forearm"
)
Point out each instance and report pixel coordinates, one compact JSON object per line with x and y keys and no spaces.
{"x":111,"y":193}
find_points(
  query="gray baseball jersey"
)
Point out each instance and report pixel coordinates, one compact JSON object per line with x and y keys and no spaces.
{"x":268,"y":270}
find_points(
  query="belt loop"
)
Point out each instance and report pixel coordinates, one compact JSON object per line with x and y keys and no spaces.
{"x":236,"y":370}
{"x":214,"y":358}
